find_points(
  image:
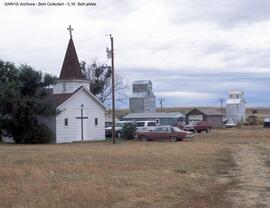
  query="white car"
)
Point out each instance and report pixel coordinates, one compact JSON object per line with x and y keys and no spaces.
{"x":230,"y":123}
{"x":145,"y":126}
{"x":118,"y":129}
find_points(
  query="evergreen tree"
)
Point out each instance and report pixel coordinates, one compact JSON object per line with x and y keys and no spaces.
{"x":23,"y":99}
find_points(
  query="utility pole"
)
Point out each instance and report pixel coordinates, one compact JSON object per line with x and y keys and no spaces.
{"x":221,"y":100}
{"x":113,"y":96}
{"x":161,"y":100}
{"x":254,"y":118}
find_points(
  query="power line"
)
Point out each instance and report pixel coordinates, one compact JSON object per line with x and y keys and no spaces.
{"x":189,"y":47}
{"x":151,"y":33}
{"x":247,"y":26}
{"x":172,"y":46}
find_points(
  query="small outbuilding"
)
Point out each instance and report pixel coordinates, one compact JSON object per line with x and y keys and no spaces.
{"x":212,"y":116}
{"x":266,"y":122}
{"x":161,"y":118}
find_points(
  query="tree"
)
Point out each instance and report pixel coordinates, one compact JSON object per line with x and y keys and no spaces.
{"x":24,"y":98}
{"x":100,"y":76}
{"x":129,"y":130}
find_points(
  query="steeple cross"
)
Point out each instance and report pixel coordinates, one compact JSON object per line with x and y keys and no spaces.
{"x":70,"y":30}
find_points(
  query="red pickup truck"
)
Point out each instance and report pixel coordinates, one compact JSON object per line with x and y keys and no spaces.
{"x":198,"y":127}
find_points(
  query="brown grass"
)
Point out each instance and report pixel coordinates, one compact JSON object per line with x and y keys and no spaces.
{"x":128,"y":174}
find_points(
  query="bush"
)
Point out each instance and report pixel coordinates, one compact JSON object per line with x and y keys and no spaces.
{"x":128,"y":130}
{"x":39,"y":134}
{"x":253,"y":120}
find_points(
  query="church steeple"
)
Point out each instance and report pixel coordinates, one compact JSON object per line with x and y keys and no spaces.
{"x":71,"y":66}
{"x":71,"y":77}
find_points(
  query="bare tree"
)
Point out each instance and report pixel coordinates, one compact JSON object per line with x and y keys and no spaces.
{"x":101,"y":82}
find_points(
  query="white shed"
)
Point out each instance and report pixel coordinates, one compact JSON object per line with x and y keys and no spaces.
{"x":236,"y":106}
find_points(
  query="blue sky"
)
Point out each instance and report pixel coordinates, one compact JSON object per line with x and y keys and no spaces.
{"x":194,"y":51}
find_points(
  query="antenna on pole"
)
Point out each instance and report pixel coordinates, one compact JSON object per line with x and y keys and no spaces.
{"x":109,"y":53}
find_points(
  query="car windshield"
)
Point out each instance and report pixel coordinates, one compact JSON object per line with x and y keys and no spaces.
{"x":151,"y":124}
{"x":157,"y":130}
{"x":161,"y":129}
{"x":175,"y":129}
{"x":119,"y":124}
{"x":140,"y":124}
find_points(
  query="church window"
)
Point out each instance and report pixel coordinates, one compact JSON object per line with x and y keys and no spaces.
{"x":66,"y":122}
{"x":96,"y":121}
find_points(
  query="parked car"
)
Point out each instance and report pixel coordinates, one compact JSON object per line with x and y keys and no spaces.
{"x":190,"y":128}
{"x":163,"y":133}
{"x":230,"y":123}
{"x":145,"y":125}
{"x":198,"y":127}
{"x":118,"y":129}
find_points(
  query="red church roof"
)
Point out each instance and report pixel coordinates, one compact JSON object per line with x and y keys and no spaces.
{"x":63,"y":97}
{"x":71,"y":66}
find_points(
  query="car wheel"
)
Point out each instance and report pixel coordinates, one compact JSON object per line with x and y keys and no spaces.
{"x":144,"y":138}
{"x":208,"y":130}
{"x":118,"y":134}
{"x":173,"y":139}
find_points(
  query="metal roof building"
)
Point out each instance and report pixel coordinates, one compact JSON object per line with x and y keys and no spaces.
{"x":236,"y":106}
{"x":142,"y":99}
{"x":161,"y":118}
{"x":212,"y":116}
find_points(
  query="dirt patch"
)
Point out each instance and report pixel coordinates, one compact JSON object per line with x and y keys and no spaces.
{"x":252,"y":173}
{"x":213,"y":190}
{"x":213,"y":196}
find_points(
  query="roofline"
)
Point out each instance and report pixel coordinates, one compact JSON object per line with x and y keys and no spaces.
{"x":154,"y":116}
{"x":83,"y":88}
{"x":144,"y":80}
{"x":198,"y":109}
{"x":75,"y":80}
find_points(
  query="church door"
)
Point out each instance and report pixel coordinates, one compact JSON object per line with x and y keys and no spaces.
{"x":81,"y":125}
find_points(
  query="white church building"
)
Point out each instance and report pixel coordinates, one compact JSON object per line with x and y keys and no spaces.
{"x":236,"y":106}
{"x":82,"y":116}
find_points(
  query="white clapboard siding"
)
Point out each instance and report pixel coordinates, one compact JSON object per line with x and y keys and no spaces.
{"x":71,"y":109}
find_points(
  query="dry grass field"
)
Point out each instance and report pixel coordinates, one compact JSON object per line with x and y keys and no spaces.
{"x":225,"y":168}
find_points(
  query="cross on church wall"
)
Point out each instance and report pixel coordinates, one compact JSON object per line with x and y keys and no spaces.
{"x":70,"y":30}
{"x":81,"y":118}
